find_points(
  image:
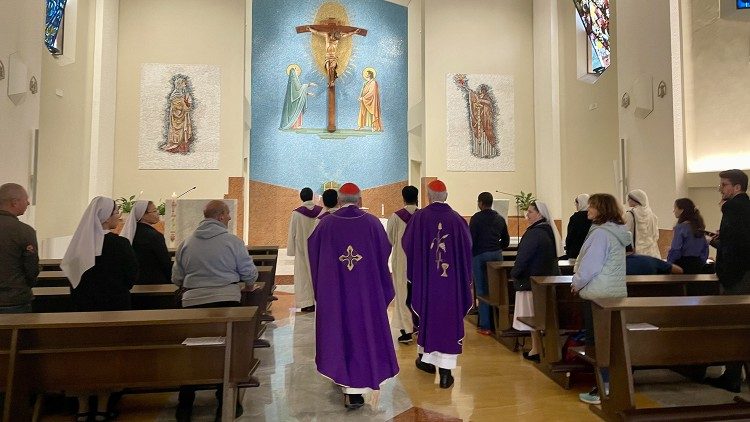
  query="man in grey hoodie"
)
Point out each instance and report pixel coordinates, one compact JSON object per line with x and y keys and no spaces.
{"x":209,"y":265}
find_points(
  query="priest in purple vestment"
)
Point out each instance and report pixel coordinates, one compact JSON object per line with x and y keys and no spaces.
{"x":437,"y":243}
{"x":348,"y":253}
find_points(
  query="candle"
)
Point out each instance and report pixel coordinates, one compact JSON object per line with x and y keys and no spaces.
{"x":382,"y":209}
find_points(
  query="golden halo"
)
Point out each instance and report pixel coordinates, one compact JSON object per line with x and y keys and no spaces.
{"x":295,"y":67}
{"x":374,"y":73}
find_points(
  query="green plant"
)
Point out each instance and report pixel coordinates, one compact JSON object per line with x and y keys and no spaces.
{"x":524,"y":200}
{"x":125,"y":204}
{"x":162,"y":208}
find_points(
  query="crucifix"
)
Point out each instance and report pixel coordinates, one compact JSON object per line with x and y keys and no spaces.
{"x":333,"y":33}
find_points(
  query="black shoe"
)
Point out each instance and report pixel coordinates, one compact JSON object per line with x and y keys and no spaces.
{"x":183,"y":414}
{"x":427,"y":367}
{"x":725,"y":383}
{"x":353,"y":401}
{"x":533,"y":358}
{"x":238,"y":410}
{"x":405,"y":338}
{"x":310,"y":308}
{"x":446,"y":379}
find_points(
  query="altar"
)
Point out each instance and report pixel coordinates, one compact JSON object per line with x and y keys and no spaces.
{"x":182,"y":217}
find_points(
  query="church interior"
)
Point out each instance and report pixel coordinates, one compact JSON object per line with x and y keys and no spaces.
{"x":180,"y":102}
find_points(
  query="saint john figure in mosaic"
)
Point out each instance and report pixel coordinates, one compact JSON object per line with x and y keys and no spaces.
{"x":481,"y":106}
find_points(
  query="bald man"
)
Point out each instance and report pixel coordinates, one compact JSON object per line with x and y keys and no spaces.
{"x":19,"y":258}
{"x":209,"y":265}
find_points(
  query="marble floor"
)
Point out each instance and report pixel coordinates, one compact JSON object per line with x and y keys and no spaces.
{"x":492,"y":384}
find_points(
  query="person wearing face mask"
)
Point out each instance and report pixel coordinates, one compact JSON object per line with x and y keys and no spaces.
{"x":100,"y":265}
{"x":154,"y":263}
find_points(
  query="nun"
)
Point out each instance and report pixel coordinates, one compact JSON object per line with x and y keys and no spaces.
{"x":100,"y":265}
{"x":538,"y":253}
{"x":643,"y":224}
{"x":154,"y":263}
{"x":578,"y":227}
{"x":101,"y":268}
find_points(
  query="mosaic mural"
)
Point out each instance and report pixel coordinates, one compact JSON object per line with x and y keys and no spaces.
{"x":179,"y":117}
{"x":480,"y":133}
{"x":329,"y":93}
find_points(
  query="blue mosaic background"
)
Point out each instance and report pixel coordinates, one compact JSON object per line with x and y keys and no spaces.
{"x":296,"y":160}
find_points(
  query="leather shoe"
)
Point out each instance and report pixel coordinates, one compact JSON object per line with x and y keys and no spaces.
{"x":427,"y":367}
{"x":310,"y":308}
{"x":353,"y":401}
{"x":533,"y":358}
{"x":724,"y":383}
{"x":446,"y":379}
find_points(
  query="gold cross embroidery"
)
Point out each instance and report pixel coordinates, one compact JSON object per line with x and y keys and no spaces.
{"x":351,"y":257}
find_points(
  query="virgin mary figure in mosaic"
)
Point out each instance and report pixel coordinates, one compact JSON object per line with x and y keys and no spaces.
{"x":179,"y":117}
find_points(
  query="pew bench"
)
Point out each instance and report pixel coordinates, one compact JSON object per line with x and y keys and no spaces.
{"x":702,"y":322}
{"x":94,"y":351}
{"x":502,"y":297}
{"x":558,"y":312}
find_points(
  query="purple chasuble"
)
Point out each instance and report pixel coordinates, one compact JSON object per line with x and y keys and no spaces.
{"x":320,"y":217}
{"x":404,"y":215}
{"x":348,"y":253}
{"x":437,"y":243}
{"x":310,"y":213}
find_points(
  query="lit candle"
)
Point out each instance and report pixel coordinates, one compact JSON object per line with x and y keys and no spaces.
{"x":382,"y":209}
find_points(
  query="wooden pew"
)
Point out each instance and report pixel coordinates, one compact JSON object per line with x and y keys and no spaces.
{"x":53,"y":264}
{"x":252,"y":250}
{"x":558,"y":311}
{"x":691,"y":330}
{"x":501,"y":298}
{"x":92,"y":351}
{"x":58,"y":279}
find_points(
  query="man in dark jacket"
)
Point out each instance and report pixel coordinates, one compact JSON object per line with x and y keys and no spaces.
{"x":732,"y":244}
{"x":489,"y":236}
{"x":19,"y":257}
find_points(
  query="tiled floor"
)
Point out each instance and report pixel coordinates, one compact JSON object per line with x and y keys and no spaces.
{"x":492,"y":384}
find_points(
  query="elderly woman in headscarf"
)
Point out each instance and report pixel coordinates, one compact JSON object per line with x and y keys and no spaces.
{"x":537,"y":255}
{"x":101,"y":268}
{"x":154,"y":263}
{"x":578,"y":227}
{"x":643,"y":224}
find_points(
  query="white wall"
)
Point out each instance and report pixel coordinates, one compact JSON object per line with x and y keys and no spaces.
{"x":184,"y":32}
{"x":65,"y":132}
{"x":21,"y":26}
{"x":653,"y":165}
{"x":589,"y":137}
{"x":719,"y":61}
{"x":478,"y":36}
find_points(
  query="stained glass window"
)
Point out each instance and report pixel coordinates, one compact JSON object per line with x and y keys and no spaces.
{"x":594,"y":15}
{"x":55,"y":11}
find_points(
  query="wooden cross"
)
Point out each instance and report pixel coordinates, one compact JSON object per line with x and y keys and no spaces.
{"x":351,"y":257}
{"x":333,"y":33}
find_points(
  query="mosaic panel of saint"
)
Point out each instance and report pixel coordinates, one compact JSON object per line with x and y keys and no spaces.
{"x":179,"y":117}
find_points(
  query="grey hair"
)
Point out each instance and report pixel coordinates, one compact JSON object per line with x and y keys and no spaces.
{"x":437,"y":196}
{"x":349,"y":199}
{"x":11,"y":191}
